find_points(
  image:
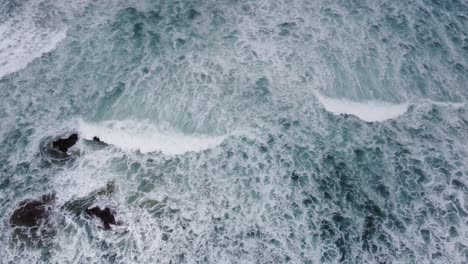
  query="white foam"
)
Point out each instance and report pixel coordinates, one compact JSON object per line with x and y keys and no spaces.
{"x":370,"y":111}
{"x":146,"y":137}
{"x":21,"y":41}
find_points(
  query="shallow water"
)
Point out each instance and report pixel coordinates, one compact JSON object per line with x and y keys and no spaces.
{"x":240,"y":131}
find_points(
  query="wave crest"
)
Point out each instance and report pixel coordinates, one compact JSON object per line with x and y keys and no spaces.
{"x":370,"y":111}
{"x":146,"y":137}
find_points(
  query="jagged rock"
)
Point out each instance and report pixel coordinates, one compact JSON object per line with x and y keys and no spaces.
{"x":107,"y":216}
{"x":32,"y":213}
{"x":64,"y":144}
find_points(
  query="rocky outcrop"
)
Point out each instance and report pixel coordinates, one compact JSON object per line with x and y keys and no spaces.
{"x":64,"y":144}
{"x":32,"y":213}
{"x":84,"y":205}
{"x":78,"y":205}
{"x":105,"y":215}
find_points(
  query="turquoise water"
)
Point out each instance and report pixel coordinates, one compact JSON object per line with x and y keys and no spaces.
{"x":240,"y":131}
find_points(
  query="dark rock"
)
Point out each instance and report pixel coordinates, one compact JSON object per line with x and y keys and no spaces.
{"x":107,"y":216}
{"x":32,"y":213}
{"x":98,"y":140}
{"x":79,"y":205}
{"x":63,"y":145}
{"x":29,"y":214}
{"x":32,"y":222}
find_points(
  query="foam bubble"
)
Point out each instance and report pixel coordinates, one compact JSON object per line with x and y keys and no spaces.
{"x":146,"y":137}
{"x":370,"y":111}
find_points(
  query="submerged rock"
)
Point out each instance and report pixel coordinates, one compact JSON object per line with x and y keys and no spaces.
{"x":107,"y":216}
{"x":64,"y":144}
{"x":32,"y":213}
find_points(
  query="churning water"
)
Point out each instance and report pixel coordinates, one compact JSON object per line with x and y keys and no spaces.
{"x":298,"y":131}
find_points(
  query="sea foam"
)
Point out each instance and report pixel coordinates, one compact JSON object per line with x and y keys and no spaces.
{"x":370,"y":111}
{"x":146,"y":137}
{"x":21,"y":43}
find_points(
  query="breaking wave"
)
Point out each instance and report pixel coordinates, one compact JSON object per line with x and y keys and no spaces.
{"x":370,"y":111}
{"x":145,"y":137}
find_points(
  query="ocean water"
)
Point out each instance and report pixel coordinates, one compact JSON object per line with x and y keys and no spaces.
{"x":297,"y":131}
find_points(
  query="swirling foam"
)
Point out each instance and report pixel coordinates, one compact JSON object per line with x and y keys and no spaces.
{"x":146,"y":137}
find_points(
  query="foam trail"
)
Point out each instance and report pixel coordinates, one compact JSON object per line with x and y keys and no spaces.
{"x":145,"y":137}
{"x":370,"y":111}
